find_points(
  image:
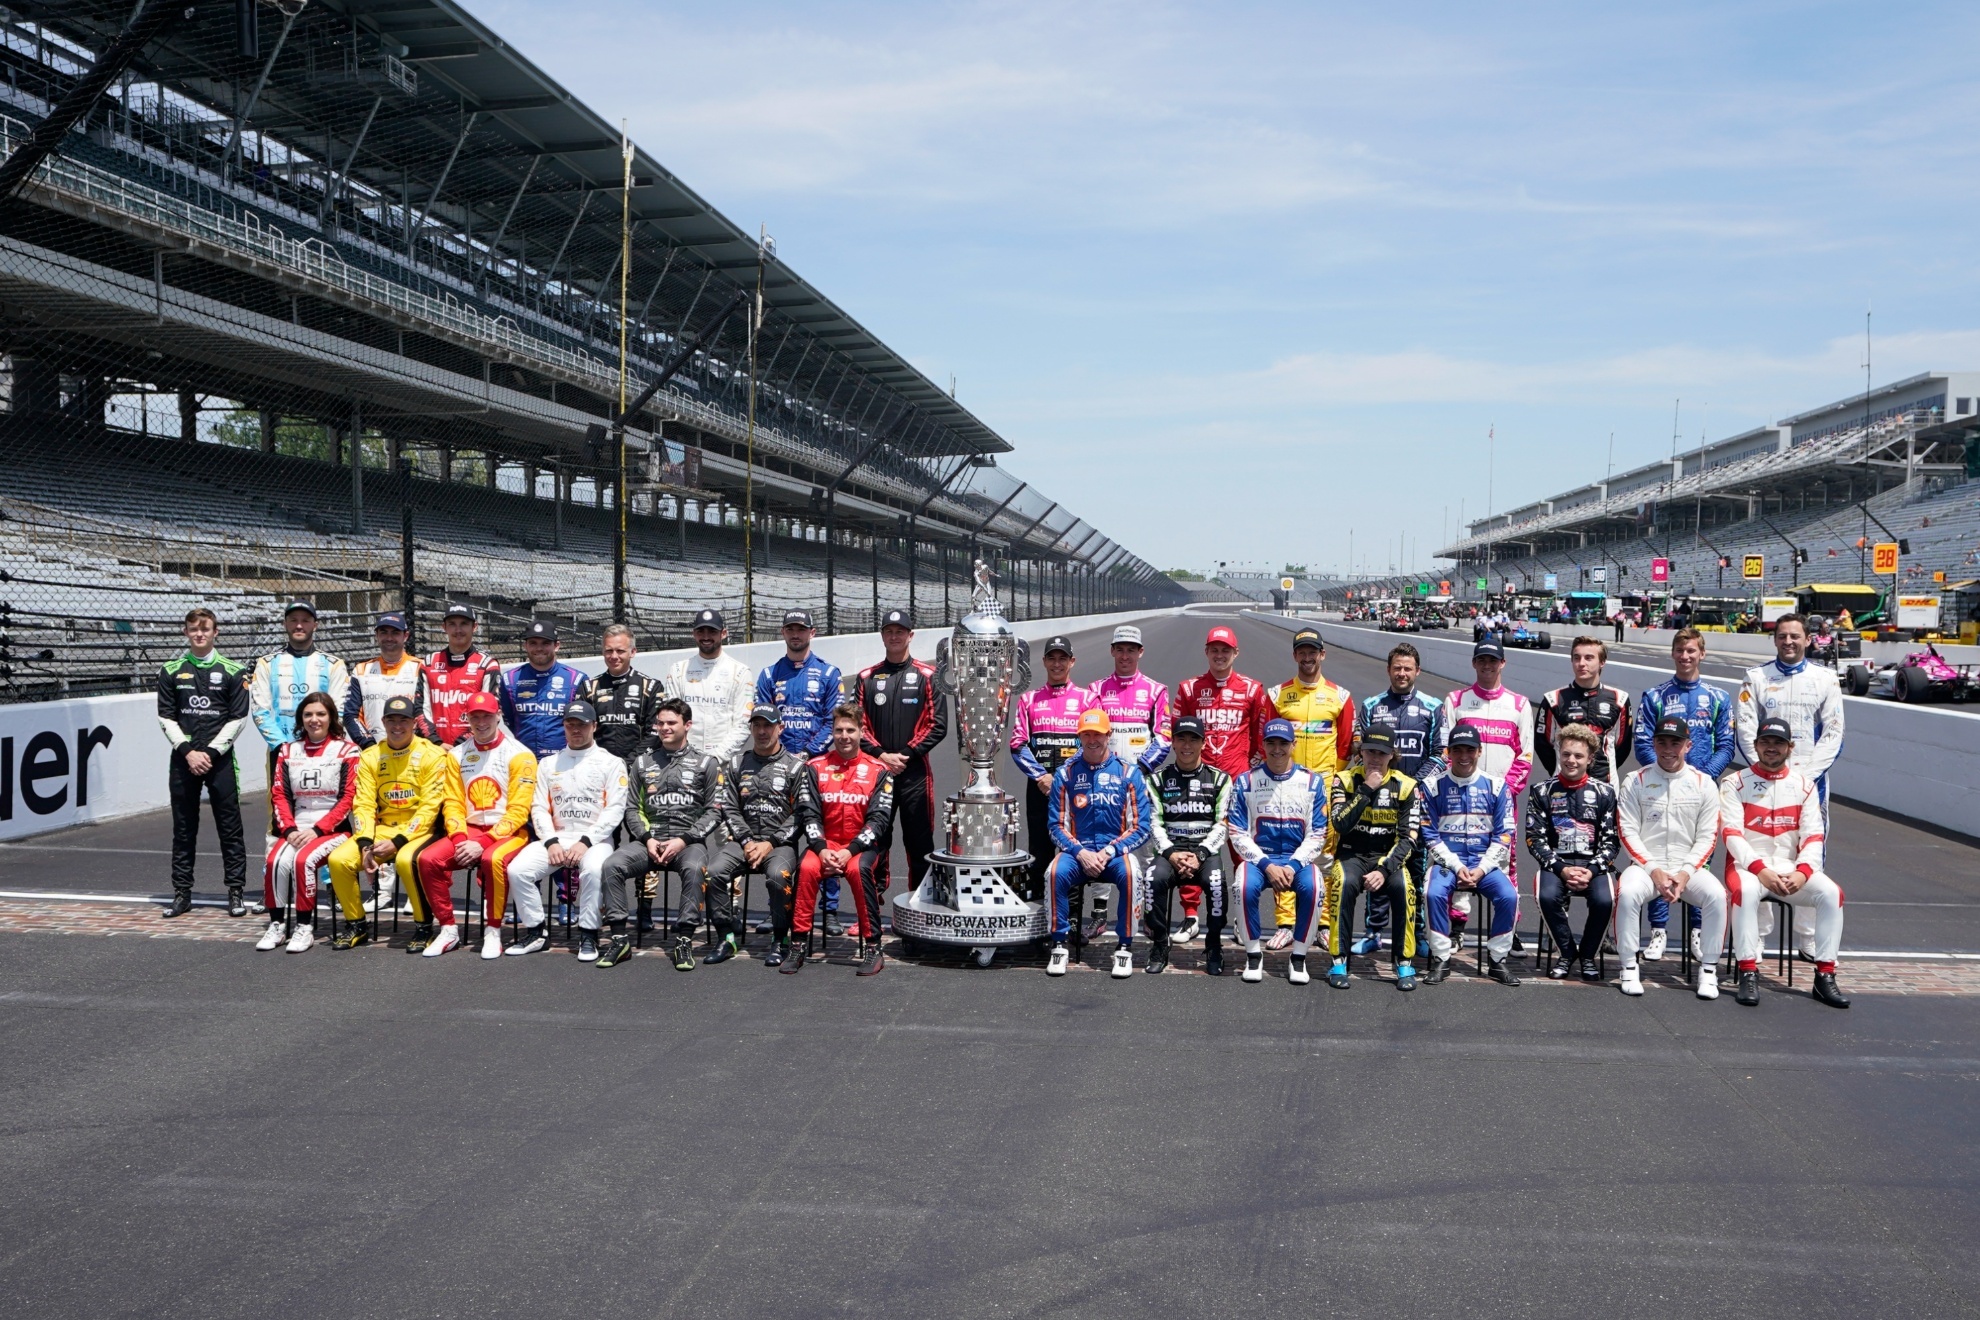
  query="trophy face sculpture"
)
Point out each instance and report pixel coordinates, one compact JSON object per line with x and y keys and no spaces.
{"x":971,"y":892}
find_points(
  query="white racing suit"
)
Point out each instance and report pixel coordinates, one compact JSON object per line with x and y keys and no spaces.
{"x":720,"y":692}
{"x":1773,"y":821}
{"x":580,"y":798}
{"x":1670,"y":822}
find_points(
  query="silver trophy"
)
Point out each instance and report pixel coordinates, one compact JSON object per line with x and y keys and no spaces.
{"x":971,"y":893}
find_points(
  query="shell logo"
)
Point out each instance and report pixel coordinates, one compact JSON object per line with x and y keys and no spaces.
{"x":483,"y":792}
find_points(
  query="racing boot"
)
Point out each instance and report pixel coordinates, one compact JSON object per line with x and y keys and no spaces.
{"x":871,"y":960}
{"x":1123,"y":963}
{"x":1440,"y":971}
{"x":1747,"y":992}
{"x":446,"y":938}
{"x":1654,"y":950}
{"x":354,"y":934}
{"x":534,"y":940}
{"x":1254,"y":966}
{"x":1406,"y":977}
{"x":1158,"y":960}
{"x":683,"y":952}
{"x":1631,"y":981}
{"x":1213,"y":958}
{"x":646,"y":916}
{"x":271,"y":937}
{"x":587,"y":944}
{"x":1708,"y":981}
{"x":1055,"y":965}
{"x":1590,"y":971}
{"x":725,"y":949}
{"x":1337,"y":975}
{"x":616,"y":950}
{"x":491,"y":941}
{"x":833,"y":926}
{"x":180,"y":905}
{"x":779,"y":950}
{"x":421,"y":937}
{"x":1496,"y":969}
{"x":236,"y":901}
{"x":1828,"y":992}
{"x":793,"y":959}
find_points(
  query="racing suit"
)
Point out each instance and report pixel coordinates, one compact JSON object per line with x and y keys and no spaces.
{"x":1809,"y":698}
{"x":1602,"y":708}
{"x":311,"y":790}
{"x":771,"y":800}
{"x":1234,"y":713}
{"x":1574,"y":824}
{"x":1708,"y":710}
{"x":1323,"y":740}
{"x":1504,"y":720}
{"x":856,"y":813}
{"x":720,"y":692}
{"x":1373,"y":829}
{"x":1105,"y":809}
{"x":372,"y":685}
{"x":400,"y":795}
{"x":1279,"y":820}
{"x":202,"y":707}
{"x":533,"y":702}
{"x":1669,"y":822}
{"x":1469,"y":823}
{"x":806,"y":694}
{"x":1138,"y":708}
{"x":1044,"y":736}
{"x":450,"y":680}
{"x":1415,"y":722}
{"x":1189,"y":808}
{"x":675,"y":795}
{"x":1773,"y":821}
{"x":580,"y":798}
{"x":903,"y":713}
{"x":488,"y":804}
{"x":281,"y":680}
{"x":626,"y":704}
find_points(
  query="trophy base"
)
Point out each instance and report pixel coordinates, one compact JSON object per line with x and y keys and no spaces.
{"x":972,"y":902}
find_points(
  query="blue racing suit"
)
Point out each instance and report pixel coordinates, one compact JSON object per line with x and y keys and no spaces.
{"x":1106,"y":809}
{"x":1469,"y":822}
{"x":1279,"y":820}
{"x":533,"y":702}
{"x":807,"y":694}
{"x":1709,"y":712}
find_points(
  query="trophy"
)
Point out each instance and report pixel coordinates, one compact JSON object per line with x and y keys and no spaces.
{"x":971,"y":894}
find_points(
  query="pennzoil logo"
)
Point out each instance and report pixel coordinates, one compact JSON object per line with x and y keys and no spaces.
{"x":400,"y":794}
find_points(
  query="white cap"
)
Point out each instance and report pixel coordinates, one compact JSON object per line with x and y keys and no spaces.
{"x":1127,"y":632}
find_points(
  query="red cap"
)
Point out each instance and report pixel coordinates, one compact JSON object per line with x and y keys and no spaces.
{"x":481,"y":701}
{"x":1221,"y":634}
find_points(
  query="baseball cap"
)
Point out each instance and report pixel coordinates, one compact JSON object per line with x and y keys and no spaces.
{"x":1378,"y":737}
{"x":897,"y":619}
{"x":458,"y":610}
{"x":391,"y":619}
{"x":1095,"y":720}
{"x":711,"y":619}
{"x":1488,"y":649}
{"x":400,"y":707}
{"x":1672,"y":726}
{"x":1309,"y":637}
{"x":1059,"y":644}
{"x":763,"y":710}
{"x":1188,"y":724}
{"x":801,"y":618}
{"x":302,"y":605}
{"x":1465,"y":735}
{"x":583,"y":711}
{"x":1128,"y":633}
{"x":1281,"y":729}
{"x":484,"y":701}
{"x":541,"y":630}
{"x":1774,"y":727}
{"x":1221,"y":634}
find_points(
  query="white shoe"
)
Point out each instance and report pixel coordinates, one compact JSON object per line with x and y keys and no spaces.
{"x":491,"y":942}
{"x":405,"y":908}
{"x":1254,"y":967}
{"x":1282,"y":938}
{"x":1632,"y":981}
{"x":1296,"y":970}
{"x":1698,"y":946}
{"x":1123,"y":963}
{"x":1189,"y":931}
{"x":270,"y":937}
{"x":379,"y":902}
{"x":535,"y":942}
{"x":1654,"y":950}
{"x":1708,"y":981}
{"x":1056,"y":964}
{"x":448,"y":938}
{"x":302,"y":939}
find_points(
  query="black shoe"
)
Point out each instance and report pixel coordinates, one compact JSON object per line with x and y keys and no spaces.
{"x":1589,"y":971}
{"x":833,"y":928}
{"x":616,"y":950}
{"x":793,"y":958}
{"x":236,"y":902}
{"x":354,"y":934}
{"x":1440,"y":971}
{"x":683,"y":952}
{"x":1518,"y":944}
{"x":871,"y":961}
{"x":779,"y":950}
{"x":1158,"y":960}
{"x":1562,"y":968}
{"x":723,"y":951}
{"x":421,"y":937}
{"x":1828,"y":992}
{"x":1213,"y":962}
{"x":1496,"y":969}
{"x":1748,"y":990}
{"x":180,"y":905}
{"x":1457,"y":930}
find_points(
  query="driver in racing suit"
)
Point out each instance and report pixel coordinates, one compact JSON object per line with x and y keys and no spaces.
{"x":1415,"y":721}
{"x":1101,"y":814}
{"x":1571,"y":832}
{"x":1278,"y":823}
{"x":1468,"y":834}
{"x":1373,"y":815}
{"x":854,"y":838}
{"x":580,"y":799}
{"x":1504,"y":721}
{"x":1669,"y":817}
{"x":1044,"y":736}
{"x":1322,"y":716}
{"x":1190,"y":798}
{"x":1708,"y":710}
{"x":1233,"y":710}
{"x":771,"y":815}
{"x":673,"y":819}
{"x":1138,"y":711}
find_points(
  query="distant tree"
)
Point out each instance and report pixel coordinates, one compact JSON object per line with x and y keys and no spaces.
{"x":1184,"y":575}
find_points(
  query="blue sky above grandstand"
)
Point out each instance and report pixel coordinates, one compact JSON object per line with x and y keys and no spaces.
{"x":1203,"y":258}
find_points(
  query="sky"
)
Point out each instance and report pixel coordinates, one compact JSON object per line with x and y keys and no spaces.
{"x":1252,"y":284}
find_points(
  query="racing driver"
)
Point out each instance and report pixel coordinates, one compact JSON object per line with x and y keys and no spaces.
{"x":1278,"y":824}
{"x":1100,"y":815}
{"x":486,"y":815}
{"x":1138,"y":713}
{"x":1044,"y":736}
{"x":1233,"y":710}
{"x":1669,"y":821}
{"x":852,"y":838}
{"x":1322,"y":716}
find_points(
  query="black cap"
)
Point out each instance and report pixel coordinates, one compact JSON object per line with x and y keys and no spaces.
{"x":897,"y":619}
{"x":400,"y":707}
{"x":802,"y":618}
{"x":763,"y":710}
{"x":710,"y":619}
{"x":459,"y":610}
{"x":1465,"y":735}
{"x":1188,"y":724}
{"x":1672,"y":726}
{"x":1774,"y":727}
{"x":541,"y":630}
{"x":1058,"y":644}
{"x":1489,"y":649}
{"x":1308,"y":637}
{"x":302,"y":605}
{"x":1378,"y":737}
{"x":581,"y":710}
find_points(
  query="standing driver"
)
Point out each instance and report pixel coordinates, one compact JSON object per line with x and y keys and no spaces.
{"x":202,"y":707}
{"x":1044,"y":736}
{"x":904,"y":719}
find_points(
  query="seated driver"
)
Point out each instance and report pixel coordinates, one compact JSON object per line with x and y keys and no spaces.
{"x":1468,"y":837}
{"x":1669,"y":816}
{"x":852,"y":839}
{"x":1098,"y":815}
{"x":1279,"y":830}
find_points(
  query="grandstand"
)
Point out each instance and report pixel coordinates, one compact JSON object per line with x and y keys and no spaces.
{"x":267,"y":304}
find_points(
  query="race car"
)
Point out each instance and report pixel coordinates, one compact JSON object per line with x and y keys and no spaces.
{"x":1399,"y":623}
{"x":1526,"y":638}
{"x":1921,"y":676}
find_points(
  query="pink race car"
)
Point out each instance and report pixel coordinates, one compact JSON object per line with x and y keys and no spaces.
{"x":1921,"y":676}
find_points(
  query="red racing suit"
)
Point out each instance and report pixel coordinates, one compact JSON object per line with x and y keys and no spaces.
{"x":1234,"y":715}
{"x":856,"y":797}
{"x":311,"y":789}
{"x":450,"y":680}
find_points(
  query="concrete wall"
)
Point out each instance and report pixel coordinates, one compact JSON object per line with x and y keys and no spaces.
{"x":1914,"y":761}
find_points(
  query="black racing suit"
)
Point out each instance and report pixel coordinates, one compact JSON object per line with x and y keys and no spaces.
{"x":902,"y":713}
{"x":625,"y":710}
{"x":1375,"y":829}
{"x":1574,"y":825}
{"x":774,"y":800}
{"x":1602,"y":708}
{"x":202,"y":706}
{"x":675,"y":795}
{"x":1189,"y":811}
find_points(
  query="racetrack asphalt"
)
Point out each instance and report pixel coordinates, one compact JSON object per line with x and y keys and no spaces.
{"x":192,"y":1128}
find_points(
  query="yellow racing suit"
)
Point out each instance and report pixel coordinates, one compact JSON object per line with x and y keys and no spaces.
{"x":1323,"y":740}
{"x":400,"y":794}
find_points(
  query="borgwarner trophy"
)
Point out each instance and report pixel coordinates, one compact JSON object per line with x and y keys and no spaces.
{"x":971,"y":894}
